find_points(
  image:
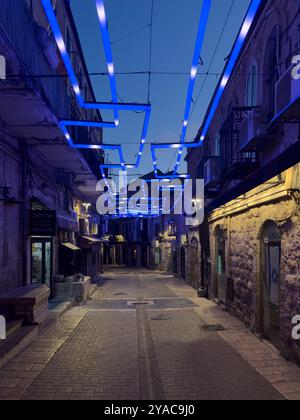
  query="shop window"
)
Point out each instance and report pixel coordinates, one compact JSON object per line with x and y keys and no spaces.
{"x":41,"y":261}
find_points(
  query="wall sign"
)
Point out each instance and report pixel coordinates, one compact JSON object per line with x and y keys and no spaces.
{"x":42,"y":223}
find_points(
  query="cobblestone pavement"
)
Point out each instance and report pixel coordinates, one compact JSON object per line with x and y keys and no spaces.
{"x":143,"y":335}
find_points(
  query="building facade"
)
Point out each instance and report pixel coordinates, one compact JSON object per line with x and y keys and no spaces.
{"x":248,"y":246}
{"x":45,"y":184}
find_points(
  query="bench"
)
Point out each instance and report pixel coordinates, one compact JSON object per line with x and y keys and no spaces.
{"x":29,"y":303}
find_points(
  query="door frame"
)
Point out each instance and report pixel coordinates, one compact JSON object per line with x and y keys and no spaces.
{"x":260,"y":311}
{"x":43,"y":241}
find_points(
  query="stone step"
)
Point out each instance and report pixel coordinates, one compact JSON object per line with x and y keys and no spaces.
{"x":13,"y":326}
{"x":18,"y":339}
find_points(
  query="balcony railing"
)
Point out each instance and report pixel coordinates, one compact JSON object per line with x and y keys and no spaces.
{"x":25,"y":36}
{"x":234,"y":163}
{"x":95,"y":158}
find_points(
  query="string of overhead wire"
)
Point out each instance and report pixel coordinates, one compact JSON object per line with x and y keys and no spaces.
{"x":208,"y":71}
{"x":135,"y":73}
{"x":130,"y":34}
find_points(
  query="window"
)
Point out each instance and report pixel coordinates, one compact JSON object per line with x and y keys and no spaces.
{"x":68,"y":39}
{"x":172,"y":228}
{"x":217,"y":144}
{"x":271,"y":74}
{"x":251,"y":94}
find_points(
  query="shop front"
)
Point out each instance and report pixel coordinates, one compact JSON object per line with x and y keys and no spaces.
{"x":42,"y":231}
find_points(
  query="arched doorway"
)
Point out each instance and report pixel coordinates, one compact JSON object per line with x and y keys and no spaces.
{"x":221,"y":281}
{"x":194,"y":263}
{"x":270,"y":282}
{"x":182,"y":263}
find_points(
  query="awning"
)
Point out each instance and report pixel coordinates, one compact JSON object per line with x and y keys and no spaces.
{"x":92,"y":239}
{"x":70,"y":246}
{"x":87,"y":241}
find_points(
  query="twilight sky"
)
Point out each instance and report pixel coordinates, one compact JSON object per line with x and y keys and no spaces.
{"x":175,"y":27}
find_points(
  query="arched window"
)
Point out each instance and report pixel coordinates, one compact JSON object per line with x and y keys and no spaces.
{"x":271,"y":73}
{"x":251,"y":93}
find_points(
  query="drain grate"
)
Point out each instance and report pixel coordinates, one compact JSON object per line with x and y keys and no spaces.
{"x":162,"y":317}
{"x":213,"y":328}
{"x":140,"y":302}
{"x":120,"y":294}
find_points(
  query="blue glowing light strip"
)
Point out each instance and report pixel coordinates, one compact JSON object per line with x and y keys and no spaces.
{"x":173,"y":146}
{"x":122,"y":164}
{"x":146,"y":108}
{"x":95,"y":124}
{"x":108,"y":53}
{"x":130,"y":107}
{"x":197,"y":53}
{"x":238,"y":46}
{"x":48,"y":8}
{"x":115,"y":106}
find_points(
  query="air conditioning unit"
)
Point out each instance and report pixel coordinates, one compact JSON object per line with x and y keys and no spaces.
{"x":211,"y":172}
{"x":252,"y":130}
{"x":287,"y":93}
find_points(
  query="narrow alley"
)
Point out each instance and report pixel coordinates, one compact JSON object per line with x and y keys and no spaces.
{"x":145,"y":336}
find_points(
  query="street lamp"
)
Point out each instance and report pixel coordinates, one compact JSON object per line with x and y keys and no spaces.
{"x":86,"y":206}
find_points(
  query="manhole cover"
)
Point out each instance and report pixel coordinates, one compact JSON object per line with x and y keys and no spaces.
{"x":162,"y":317}
{"x":213,"y":328}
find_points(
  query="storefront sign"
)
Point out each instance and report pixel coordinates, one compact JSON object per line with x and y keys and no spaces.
{"x":42,"y":223}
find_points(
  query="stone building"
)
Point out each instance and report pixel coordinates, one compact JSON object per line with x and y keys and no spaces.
{"x":45,"y":184}
{"x":248,"y":246}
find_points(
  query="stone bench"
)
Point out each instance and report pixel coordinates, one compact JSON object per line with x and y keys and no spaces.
{"x":29,"y":303}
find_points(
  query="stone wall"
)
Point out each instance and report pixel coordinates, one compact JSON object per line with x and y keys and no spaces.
{"x":10,"y":244}
{"x":243,"y":257}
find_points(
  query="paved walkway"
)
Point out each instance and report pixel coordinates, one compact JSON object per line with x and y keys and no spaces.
{"x":145,"y":335}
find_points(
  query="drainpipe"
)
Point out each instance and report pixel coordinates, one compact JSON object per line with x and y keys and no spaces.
{"x":202,"y":290}
{"x":23,"y":209}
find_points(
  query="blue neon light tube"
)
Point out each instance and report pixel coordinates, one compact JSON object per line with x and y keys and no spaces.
{"x":114,"y":106}
{"x":173,"y":146}
{"x":197,"y":53}
{"x":48,"y":8}
{"x":108,"y":53}
{"x":238,"y":46}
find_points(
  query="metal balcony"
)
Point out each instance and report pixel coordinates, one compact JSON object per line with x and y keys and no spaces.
{"x":234,"y":163}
